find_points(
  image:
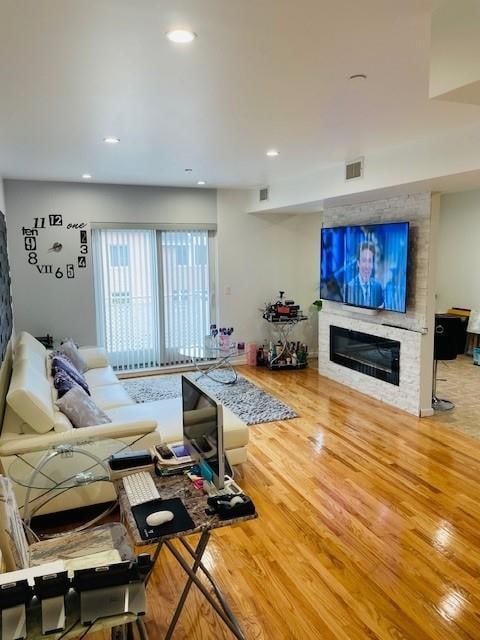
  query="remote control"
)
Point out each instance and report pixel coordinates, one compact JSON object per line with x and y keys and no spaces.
{"x":164,"y":451}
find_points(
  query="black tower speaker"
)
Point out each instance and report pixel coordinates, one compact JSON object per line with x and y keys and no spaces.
{"x":445,"y":347}
{"x":447,"y":331}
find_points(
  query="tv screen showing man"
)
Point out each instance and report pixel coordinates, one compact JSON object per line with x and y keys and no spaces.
{"x":376,"y":265}
{"x":364,"y":290}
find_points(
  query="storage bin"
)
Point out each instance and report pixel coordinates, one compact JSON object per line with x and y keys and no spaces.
{"x":251,"y":353}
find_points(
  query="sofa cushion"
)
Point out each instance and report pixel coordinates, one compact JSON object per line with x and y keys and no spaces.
{"x":70,"y":349}
{"x":30,"y":396}
{"x":32,"y":343}
{"x":62,"y":363}
{"x":62,"y":382}
{"x":100,"y":377}
{"x":110,"y":395}
{"x":168,"y":415}
{"x":25,"y":352}
{"x":95,"y":357}
{"x":81,"y":409}
{"x":61,"y":423}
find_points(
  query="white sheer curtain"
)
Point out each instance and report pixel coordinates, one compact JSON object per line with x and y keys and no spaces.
{"x":153,"y":292}
{"x":126,"y":294}
{"x":185,"y":292}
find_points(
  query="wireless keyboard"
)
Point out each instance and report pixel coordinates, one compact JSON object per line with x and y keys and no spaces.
{"x":140,"y":487}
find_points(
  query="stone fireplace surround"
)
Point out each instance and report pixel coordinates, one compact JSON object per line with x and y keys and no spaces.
{"x":406,"y":394}
{"x":414,"y":329}
{"x":374,"y":356}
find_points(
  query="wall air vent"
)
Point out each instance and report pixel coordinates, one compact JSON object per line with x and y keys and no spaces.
{"x":354,"y":169}
{"x":263,"y":194}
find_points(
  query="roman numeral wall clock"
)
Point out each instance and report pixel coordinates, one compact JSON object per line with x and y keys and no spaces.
{"x":44,"y":245}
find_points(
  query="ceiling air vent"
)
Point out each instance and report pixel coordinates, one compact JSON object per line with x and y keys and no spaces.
{"x":263,"y":193}
{"x":354,"y":169}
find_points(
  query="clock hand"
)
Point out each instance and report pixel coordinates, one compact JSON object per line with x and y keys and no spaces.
{"x":57,"y":246}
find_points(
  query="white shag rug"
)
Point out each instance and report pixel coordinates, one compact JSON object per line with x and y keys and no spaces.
{"x":249,"y":402}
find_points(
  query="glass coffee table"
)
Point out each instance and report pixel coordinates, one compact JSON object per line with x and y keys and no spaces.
{"x":55,"y":471}
{"x":213,"y":362}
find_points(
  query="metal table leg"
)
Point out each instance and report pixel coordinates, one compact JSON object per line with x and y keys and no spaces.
{"x":219,"y":604}
{"x":221,"y":363}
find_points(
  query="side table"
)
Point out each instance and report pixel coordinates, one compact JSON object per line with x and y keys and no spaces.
{"x":57,"y":470}
{"x":195,"y":503}
{"x":210,"y":360}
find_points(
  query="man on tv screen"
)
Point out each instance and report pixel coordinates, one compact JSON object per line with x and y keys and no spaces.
{"x":364,"y":290}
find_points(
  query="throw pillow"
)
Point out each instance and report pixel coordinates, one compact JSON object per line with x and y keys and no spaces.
{"x":70,"y":349}
{"x":80,"y":409}
{"x":62,"y":363}
{"x":63,"y":382}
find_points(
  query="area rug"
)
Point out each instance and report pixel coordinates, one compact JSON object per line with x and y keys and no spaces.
{"x":249,"y":402}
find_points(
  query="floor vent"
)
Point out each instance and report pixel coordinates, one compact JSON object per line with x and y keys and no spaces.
{"x":263,"y":193}
{"x":354,"y":169}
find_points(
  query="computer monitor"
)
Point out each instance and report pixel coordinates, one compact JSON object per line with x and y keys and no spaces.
{"x":203,"y":431}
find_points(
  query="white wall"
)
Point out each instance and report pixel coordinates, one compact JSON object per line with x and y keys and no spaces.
{"x":260,"y":254}
{"x":257,"y":254}
{"x":458,"y":264}
{"x":454,"y":50}
{"x":2,"y":196}
{"x":65,"y":307}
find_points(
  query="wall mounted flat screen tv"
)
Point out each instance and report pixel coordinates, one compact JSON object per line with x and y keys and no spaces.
{"x":366,"y":266}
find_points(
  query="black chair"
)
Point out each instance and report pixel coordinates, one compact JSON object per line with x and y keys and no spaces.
{"x":445,"y":347}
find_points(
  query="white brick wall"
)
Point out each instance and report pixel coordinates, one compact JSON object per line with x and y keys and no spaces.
{"x":407,"y":394}
{"x":410,"y":327}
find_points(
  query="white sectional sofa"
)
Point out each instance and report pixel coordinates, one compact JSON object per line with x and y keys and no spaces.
{"x":32,"y":423}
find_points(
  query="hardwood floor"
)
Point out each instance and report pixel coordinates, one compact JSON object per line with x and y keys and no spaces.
{"x":369,"y":527}
{"x":459,"y":381}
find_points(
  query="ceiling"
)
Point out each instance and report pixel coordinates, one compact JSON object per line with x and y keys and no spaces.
{"x":261,"y":74}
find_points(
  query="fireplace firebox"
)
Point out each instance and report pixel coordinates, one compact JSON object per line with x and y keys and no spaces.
{"x":372,"y":355}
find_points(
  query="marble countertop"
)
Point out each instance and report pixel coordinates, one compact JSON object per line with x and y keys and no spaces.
{"x":194,"y":500}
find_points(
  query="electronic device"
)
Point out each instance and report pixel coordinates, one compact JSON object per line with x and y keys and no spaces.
{"x":14,"y":596}
{"x":230,"y":506}
{"x":164,"y":451}
{"x":140,"y":487}
{"x":202,"y":419}
{"x":159,"y":517}
{"x":366,"y":266}
{"x":130,"y":459}
{"x":180,"y":450}
{"x":110,"y":590}
{"x":51,"y":590}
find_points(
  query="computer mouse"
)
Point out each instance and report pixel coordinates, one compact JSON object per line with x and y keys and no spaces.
{"x":159,"y":517}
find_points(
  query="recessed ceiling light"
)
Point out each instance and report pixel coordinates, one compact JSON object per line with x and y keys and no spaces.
{"x":272,"y":153}
{"x":181,"y":36}
{"x":358,"y":76}
{"x":201,"y":182}
{"x":87,"y":176}
{"x":111,"y":140}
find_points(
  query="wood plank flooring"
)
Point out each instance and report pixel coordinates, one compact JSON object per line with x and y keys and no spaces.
{"x":459,"y":381}
{"x":369,"y":527}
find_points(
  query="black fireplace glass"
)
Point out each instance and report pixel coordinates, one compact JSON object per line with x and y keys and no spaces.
{"x":372,"y":355}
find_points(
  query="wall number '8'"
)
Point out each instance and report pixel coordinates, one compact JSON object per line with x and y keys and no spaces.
{"x":32,"y":258}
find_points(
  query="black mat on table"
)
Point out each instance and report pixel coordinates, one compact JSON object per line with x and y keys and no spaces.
{"x":181,"y":520}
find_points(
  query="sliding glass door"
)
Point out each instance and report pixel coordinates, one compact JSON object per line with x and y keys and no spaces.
{"x":153,"y":292}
